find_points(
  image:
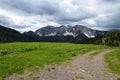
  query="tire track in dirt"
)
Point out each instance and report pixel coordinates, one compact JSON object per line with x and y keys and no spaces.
{"x":81,"y":68}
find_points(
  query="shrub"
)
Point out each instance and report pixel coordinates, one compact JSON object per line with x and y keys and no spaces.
{"x":3,"y":52}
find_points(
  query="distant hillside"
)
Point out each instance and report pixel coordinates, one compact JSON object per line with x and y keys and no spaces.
{"x":11,"y":35}
{"x":64,"y":33}
{"x":111,"y":39}
{"x":74,"y":34}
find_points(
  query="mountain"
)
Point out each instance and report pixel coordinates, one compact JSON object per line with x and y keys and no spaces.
{"x":64,"y":33}
{"x":32,"y":35}
{"x":111,"y":39}
{"x":11,"y":35}
{"x":76,"y":34}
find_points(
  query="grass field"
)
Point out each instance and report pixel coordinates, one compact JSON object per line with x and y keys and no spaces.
{"x":113,"y":60}
{"x":18,"y":56}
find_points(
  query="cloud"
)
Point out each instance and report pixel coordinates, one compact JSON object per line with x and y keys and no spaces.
{"x":4,"y":20}
{"x":114,"y":1}
{"x":34,"y":7}
{"x":33,"y":14}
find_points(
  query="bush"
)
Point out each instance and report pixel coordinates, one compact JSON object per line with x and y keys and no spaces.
{"x":3,"y":52}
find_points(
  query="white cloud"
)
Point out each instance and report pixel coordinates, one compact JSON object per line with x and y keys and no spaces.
{"x":33,"y":14}
{"x":24,"y":23}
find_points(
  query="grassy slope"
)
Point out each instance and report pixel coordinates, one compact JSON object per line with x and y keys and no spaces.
{"x":16,"y":57}
{"x":113,"y":60}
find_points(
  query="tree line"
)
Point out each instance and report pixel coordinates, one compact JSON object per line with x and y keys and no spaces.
{"x":111,"y":39}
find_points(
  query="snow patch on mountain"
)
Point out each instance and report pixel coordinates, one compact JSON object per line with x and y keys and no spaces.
{"x":89,"y":35}
{"x":51,"y":34}
{"x":39,"y":34}
{"x":68,"y":34}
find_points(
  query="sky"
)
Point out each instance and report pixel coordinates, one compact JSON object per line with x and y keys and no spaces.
{"x":25,"y":15}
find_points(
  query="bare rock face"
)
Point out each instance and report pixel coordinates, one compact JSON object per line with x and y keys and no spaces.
{"x":63,"y":32}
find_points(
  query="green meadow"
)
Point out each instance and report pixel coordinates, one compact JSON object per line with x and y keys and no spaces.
{"x":113,"y":60}
{"x":19,"y":56}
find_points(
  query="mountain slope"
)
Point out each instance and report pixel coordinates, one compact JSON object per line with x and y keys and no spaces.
{"x":64,"y":33}
{"x":111,"y":39}
{"x":11,"y":35}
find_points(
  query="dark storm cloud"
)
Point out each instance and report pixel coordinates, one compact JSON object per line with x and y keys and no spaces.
{"x":4,"y":20}
{"x":112,"y":0}
{"x":110,"y":20}
{"x":35,"y":7}
{"x":68,"y":20}
{"x":112,"y":23}
{"x":102,"y":13}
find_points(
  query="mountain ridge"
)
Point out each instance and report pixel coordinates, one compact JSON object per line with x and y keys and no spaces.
{"x":77,"y":32}
{"x":11,"y":35}
{"x":74,"y":34}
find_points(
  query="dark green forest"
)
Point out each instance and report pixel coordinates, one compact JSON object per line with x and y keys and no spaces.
{"x":11,"y":35}
{"x":111,"y":39}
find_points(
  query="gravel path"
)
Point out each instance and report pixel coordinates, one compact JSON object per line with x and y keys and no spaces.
{"x":83,"y":67}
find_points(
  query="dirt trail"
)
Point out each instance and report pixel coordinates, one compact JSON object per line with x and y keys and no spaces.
{"x":82,"y":68}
